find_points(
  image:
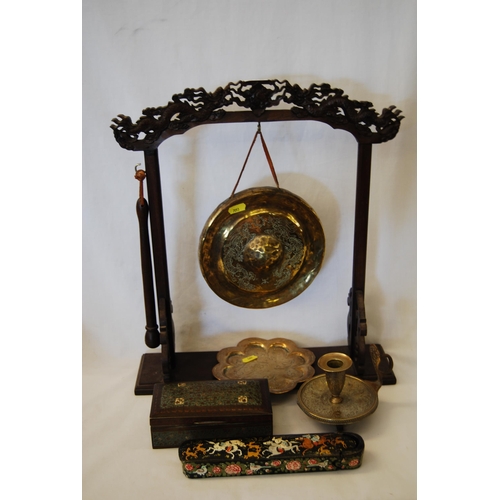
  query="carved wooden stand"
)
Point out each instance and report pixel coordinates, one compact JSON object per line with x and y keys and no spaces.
{"x":197,"y":107}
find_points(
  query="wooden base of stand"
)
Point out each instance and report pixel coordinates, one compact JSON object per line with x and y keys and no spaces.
{"x":195,"y":366}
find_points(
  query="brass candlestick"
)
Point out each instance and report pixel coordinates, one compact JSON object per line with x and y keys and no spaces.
{"x":337,"y":398}
{"x":335,"y":365}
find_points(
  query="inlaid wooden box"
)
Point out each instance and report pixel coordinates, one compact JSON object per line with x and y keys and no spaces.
{"x":210,"y":409}
{"x":272,"y":455}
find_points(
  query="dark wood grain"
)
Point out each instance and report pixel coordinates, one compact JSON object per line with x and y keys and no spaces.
{"x":258,"y":99}
{"x":193,"y":366}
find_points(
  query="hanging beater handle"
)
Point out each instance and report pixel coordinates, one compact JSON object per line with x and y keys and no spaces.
{"x":152,"y":336}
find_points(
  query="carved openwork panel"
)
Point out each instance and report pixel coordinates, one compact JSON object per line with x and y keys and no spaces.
{"x":197,"y":106}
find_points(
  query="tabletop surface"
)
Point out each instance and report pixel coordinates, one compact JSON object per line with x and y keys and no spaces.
{"x":119,"y":462}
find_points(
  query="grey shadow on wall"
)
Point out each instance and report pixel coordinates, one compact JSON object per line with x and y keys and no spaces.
{"x":185,"y":295}
{"x":184,"y":272}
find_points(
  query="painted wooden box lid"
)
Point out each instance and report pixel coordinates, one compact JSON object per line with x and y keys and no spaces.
{"x":209,"y":409}
{"x":271,"y":455}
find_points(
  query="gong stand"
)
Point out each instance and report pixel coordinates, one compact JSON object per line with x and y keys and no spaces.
{"x":257,"y":98}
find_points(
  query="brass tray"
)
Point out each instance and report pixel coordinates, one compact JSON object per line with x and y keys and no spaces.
{"x":359,"y":400}
{"x":278,"y":360}
{"x":261,"y":247}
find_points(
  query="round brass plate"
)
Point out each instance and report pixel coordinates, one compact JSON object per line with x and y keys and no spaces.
{"x":261,"y":248}
{"x":359,"y":400}
{"x":278,"y":360}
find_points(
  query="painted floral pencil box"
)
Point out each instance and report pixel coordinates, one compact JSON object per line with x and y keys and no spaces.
{"x":271,"y":455}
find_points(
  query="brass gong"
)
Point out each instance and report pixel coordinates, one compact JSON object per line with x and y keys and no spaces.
{"x":261,"y":247}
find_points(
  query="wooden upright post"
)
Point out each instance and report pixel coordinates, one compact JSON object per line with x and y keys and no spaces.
{"x":167,"y":339}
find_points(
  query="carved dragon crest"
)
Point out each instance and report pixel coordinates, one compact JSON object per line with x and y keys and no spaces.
{"x":197,"y":106}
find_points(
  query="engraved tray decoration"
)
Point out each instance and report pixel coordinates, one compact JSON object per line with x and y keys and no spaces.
{"x":278,"y":360}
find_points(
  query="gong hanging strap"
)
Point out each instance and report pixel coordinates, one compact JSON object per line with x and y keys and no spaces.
{"x":268,"y":156}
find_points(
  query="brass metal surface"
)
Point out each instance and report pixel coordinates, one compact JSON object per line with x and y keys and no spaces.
{"x":261,"y":247}
{"x":359,"y":400}
{"x":278,"y":360}
{"x":335,"y":364}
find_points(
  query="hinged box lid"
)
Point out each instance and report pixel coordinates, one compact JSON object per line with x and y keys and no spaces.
{"x":210,"y":401}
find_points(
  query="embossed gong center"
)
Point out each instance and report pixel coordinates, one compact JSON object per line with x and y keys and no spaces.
{"x":262,"y":252}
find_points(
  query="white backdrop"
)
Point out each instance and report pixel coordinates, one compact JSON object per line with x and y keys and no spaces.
{"x":137,"y":54}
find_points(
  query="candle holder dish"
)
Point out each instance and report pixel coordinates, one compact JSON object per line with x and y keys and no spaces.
{"x":337,"y":398}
